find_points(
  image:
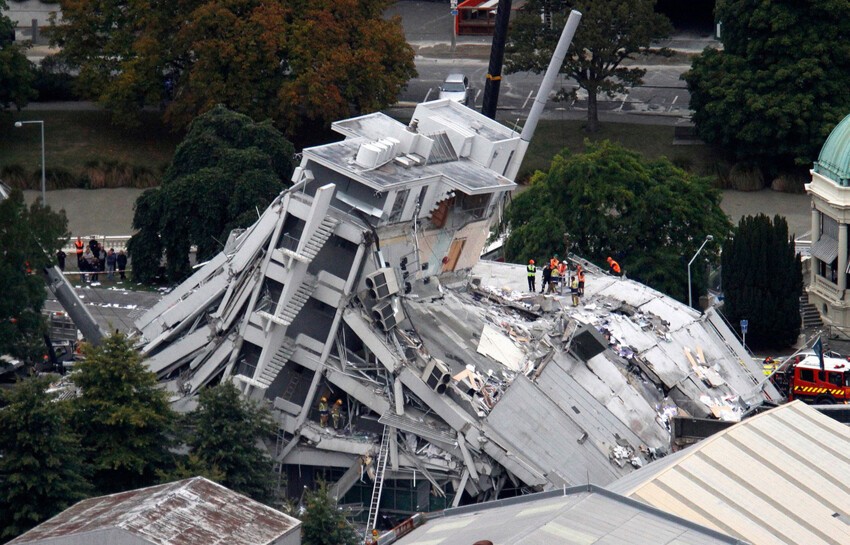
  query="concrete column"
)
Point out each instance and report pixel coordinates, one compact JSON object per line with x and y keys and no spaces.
{"x":842,"y":258}
{"x":815,"y":225}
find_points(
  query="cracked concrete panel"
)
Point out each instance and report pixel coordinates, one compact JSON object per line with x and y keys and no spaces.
{"x":501,"y":348}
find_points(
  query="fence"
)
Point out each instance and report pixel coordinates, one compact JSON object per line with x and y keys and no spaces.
{"x":117,"y":242}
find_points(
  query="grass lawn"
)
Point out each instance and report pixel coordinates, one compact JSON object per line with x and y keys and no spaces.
{"x":649,"y":140}
{"x":74,"y":140}
{"x":77,"y":139}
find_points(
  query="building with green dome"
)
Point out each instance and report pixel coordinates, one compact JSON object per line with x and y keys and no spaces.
{"x":830,"y":192}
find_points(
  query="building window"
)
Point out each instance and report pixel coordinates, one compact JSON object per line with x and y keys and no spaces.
{"x":398,"y":205}
{"x":829,"y":226}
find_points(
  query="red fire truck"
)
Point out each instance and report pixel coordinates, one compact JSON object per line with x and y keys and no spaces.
{"x":804,"y":379}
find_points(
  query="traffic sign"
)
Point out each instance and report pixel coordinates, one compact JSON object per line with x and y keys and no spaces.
{"x":744,"y":324}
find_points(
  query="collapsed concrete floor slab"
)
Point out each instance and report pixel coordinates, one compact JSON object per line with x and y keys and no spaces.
{"x":362,"y":284}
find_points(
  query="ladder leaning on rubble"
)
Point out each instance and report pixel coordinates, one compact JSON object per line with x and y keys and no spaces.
{"x":377,"y":488}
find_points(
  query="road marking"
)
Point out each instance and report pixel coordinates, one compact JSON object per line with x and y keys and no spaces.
{"x":527,"y":99}
{"x":428,"y":94}
{"x":675,"y":98}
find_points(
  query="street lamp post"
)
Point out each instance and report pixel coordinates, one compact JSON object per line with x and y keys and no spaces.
{"x":43,"y":177}
{"x":708,"y":238}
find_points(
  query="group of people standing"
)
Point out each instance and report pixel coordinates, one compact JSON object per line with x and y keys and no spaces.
{"x":560,"y":274}
{"x":93,"y":259}
{"x":335,"y":413}
{"x":557,"y":275}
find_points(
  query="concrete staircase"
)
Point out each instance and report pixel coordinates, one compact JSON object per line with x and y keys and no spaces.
{"x":322,"y":234}
{"x":277,"y":362}
{"x":296,"y":303}
{"x":809,"y":313}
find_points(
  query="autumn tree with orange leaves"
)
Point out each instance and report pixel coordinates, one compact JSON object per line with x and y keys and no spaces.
{"x":299,"y":63}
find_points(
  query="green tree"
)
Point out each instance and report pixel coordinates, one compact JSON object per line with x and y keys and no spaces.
{"x":771,"y":96}
{"x":16,"y":72}
{"x":294,"y":61}
{"x":647,"y":214}
{"x":225,"y":430}
{"x":226,"y":169}
{"x":322,"y":523}
{"x":762,"y":281}
{"x":122,"y":417}
{"x":610,"y":32}
{"x":41,"y":466}
{"x":29,"y":238}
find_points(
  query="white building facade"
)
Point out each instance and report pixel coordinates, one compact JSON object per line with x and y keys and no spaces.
{"x":830,"y":193}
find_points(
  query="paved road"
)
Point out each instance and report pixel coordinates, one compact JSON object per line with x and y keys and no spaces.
{"x":110,"y":211}
{"x":110,"y":305}
{"x":94,"y":212}
{"x":428,"y":28}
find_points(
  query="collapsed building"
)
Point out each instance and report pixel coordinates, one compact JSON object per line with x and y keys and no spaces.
{"x":362,"y":283}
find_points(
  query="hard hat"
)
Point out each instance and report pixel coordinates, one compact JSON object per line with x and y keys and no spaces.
{"x":324,"y":398}
{"x":531,"y":261}
{"x":609,"y":260}
{"x":339,"y":402}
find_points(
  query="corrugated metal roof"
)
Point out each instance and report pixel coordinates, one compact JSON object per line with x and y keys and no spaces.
{"x":187,"y":512}
{"x":581,"y":515}
{"x":782,"y":477}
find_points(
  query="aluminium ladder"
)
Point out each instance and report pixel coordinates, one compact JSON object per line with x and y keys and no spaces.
{"x":377,"y":488}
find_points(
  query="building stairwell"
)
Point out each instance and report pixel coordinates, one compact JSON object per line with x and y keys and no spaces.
{"x":809,"y":313}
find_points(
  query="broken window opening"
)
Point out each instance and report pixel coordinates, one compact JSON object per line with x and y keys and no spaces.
{"x":398,"y":205}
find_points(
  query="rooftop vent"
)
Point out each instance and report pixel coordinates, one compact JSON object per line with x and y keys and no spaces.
{"x":374,"y":154}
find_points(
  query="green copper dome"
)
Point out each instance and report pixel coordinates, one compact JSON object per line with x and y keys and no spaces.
{"x":834,"y":159}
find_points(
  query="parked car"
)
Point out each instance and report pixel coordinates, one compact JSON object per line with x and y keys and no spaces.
{"x":456,"y":87}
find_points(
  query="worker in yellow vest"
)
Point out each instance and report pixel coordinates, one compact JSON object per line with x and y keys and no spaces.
{"x":532,"y":275}
{"x":323,"y":412}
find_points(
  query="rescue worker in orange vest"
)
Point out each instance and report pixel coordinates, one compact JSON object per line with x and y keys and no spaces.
{"x":613,"y":267}
{"x":323,"y":412}
{"x":555,"y":277}
{"x":78,"y":247}
{"x":532,"y":275}
{"x":562,"y":274}
{"x":580,"y":281}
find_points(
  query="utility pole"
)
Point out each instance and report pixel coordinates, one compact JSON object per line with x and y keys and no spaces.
{"x":497,"y":56}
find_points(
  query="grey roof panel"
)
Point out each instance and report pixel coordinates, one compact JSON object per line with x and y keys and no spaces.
{"x":779,"y":477}
{"x":542,"y":432}
{"x":583,"y":515}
